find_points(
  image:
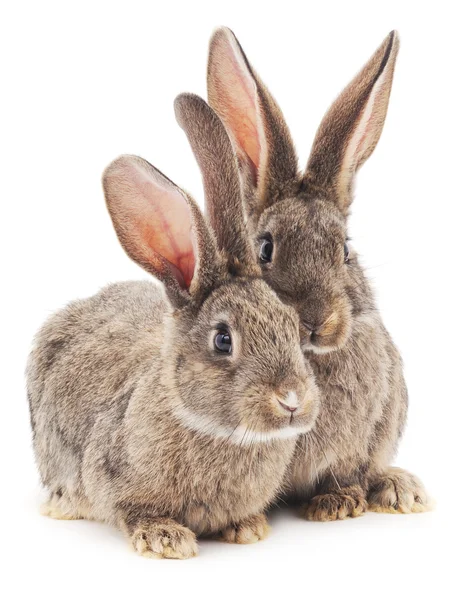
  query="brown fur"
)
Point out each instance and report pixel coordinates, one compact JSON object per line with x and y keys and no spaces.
{"x":136,"y":417}
{"x":250,"y":530}
{"x":336,"y":504}
{"x":356,"y":364}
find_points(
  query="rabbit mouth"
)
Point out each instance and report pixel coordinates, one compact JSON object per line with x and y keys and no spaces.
{"x":244,"y":434}
{"x":323,"y":344}
{"x":319,"y":349}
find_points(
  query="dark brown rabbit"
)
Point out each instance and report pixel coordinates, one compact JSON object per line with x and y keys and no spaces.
{"x":298,"y":223}
{"x":175,"y":413}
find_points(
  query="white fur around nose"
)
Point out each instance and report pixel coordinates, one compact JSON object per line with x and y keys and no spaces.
{"x":291,"y":400}
{"x":242,"y":434}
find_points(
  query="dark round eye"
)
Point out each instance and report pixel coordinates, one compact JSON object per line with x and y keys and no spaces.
{"x":223,"y":342}
{"x":346,"y":253}
{"x":265,"y":252}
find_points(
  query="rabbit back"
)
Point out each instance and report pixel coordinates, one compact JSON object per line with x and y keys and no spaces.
{"x":84,"y":359}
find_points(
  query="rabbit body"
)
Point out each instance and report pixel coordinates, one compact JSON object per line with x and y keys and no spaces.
{"x":172,"y":412}
{"x":298,"y":223}
{"x":105,"y":436}
{"x":361,"y":421}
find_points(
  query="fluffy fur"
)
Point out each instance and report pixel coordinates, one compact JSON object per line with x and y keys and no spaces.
{"x":344,"y":461}
{"x":135,"y":415}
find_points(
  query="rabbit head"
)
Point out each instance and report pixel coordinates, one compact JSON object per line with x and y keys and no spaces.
{"x":231,"y":350}
{"x":299,"y":220}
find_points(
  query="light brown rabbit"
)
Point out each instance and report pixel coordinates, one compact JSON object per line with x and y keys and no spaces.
{"x":298,"y":222}
{"x":175,"y":413}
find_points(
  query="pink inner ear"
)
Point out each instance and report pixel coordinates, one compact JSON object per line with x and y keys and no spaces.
{"x":157,"y":220}
{"x":368,"y":129}
{"x":166,"y":229}
{"x":168,"y":244}
{"x":235,"y":100}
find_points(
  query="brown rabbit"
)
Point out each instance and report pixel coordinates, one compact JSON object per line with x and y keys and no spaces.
{"x":172,"y":413}
{"x":299,"y":226}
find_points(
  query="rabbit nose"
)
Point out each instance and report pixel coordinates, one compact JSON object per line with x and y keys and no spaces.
{"x":290,"y":402}
{"x":313,"y":329}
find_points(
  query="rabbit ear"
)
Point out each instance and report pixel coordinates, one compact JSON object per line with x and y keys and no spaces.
{"x":161,"y":228}
{"x":254,"y":121}
{"x":352,"y":126}
{"x":216,"y":158}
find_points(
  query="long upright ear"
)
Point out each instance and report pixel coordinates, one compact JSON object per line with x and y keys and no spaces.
{"x":352,"y":126}
{"x":253,"y":119}
{"x":216,"y":158}
{"x":161,"y":228}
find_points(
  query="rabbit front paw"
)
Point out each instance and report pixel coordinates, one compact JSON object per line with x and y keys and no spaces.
{"x":248,"y":531}
{"x":398,"y":491}
{"x":336,"y":505}
{"x":164,"y":538}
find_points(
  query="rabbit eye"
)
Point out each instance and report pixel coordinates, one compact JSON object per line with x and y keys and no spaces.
{"x":223,"y":341}
{"x":346,"y":253}
{"x":265,"y":252}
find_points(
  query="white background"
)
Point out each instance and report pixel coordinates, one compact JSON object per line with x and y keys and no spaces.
{"x":84,"y":82}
